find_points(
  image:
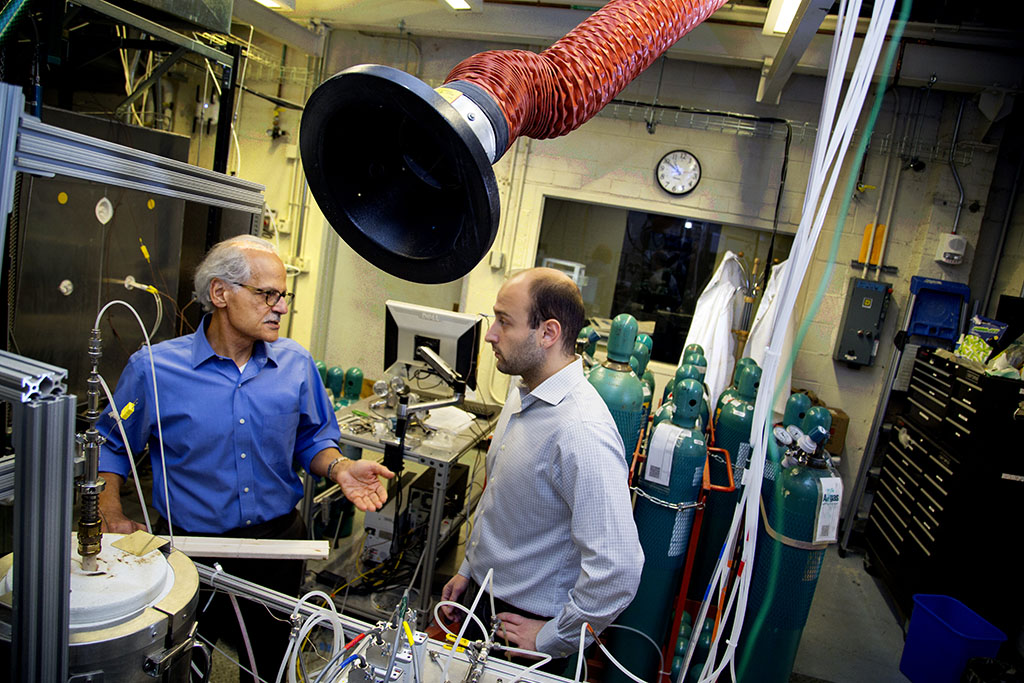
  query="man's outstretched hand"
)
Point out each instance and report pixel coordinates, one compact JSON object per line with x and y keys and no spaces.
{"x":360,"y":482}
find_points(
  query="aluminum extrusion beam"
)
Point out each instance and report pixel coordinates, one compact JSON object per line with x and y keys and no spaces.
{"x":23,"y":379}
{"x":154,"y":29}
{"x":47,"y":150}
{"x":43,"y":437}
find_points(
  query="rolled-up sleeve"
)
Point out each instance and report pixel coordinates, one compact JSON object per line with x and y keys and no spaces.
{"x":318,"y":426}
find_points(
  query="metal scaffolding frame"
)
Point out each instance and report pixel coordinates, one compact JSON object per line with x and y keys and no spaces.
{"x":43,"y":432}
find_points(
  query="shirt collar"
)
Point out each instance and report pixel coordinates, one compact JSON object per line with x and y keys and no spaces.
{"x":262,"y":353}
{"x":557,"y":386}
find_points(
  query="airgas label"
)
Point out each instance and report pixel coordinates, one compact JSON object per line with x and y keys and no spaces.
{"x":830,"y":497}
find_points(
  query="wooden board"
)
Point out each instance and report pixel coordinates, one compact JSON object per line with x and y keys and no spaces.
{"x":263,"y":548}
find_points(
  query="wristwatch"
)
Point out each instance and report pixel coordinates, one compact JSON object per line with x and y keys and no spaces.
{"x":330,"y":468}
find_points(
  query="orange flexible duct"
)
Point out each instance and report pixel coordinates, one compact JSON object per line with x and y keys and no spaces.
{"x":403,"y":171}
{"x":555,"y":92}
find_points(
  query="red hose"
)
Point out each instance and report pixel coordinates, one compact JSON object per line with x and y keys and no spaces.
{"x":552,"y":93}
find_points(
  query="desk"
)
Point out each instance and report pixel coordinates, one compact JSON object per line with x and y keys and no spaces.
{"x":441,"y":460}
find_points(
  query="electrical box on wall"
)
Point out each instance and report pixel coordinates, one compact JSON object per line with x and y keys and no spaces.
{"x":857,"y":341}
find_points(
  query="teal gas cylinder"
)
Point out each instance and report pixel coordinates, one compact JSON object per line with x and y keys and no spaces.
{"x":352,"y":387}
{"x":699,"y":360}
{"x":796,"y":409}
{"x":321,"y":369}
{"x":799,"y":503}
{"x":634,"y":365}
{"x":731,"y":391}
{"x":665,"y":411}
{"x":336,"y":384}
{"x":621,"y":390}
{"x":588,"y":336}
{"x":693,"y":348}
{"x":817,"y":416}
{"x":647,"y":376}
{"x":641,"y":356}
{"x":670,"y":386}
{"x":672,"y":475}
{"x":732,"y":429}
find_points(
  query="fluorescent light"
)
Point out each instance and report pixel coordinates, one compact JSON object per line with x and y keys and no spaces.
{"x":780,"y":16}
{"x":459,"y":4}
{"x":282,"y":5}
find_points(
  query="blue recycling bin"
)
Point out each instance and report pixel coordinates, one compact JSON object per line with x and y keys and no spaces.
{"x":944,"y":633}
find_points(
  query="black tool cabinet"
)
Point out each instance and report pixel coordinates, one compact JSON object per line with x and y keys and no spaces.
{"x":948,"y":509}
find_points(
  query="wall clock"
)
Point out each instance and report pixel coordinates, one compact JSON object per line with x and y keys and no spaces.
{"x":678,"y":172}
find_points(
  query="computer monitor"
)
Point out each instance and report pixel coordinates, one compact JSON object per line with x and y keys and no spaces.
{"x":453,"y":336}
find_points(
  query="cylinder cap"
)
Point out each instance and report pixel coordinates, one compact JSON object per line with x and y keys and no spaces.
{"x":622,"y":338}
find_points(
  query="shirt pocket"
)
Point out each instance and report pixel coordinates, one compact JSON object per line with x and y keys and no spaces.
{"x":279,"y":432}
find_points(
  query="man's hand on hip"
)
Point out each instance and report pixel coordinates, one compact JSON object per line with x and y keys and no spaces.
{"x":359,"y":482}
{"x":519,"y":630}
{"x":452,"y":591}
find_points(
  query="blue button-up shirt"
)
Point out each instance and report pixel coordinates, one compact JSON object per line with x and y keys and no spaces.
{"x":233,"y":439}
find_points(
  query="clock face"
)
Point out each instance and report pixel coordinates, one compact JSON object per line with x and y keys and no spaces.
{"x":678,"y":172}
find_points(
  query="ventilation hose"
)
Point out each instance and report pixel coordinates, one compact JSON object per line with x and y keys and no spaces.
{"x":403,"y":172}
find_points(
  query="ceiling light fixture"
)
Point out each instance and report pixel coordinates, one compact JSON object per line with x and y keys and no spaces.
{"x":278,"y":5}
{"x":459,"y":5}
{"x":780,"y":16}
{"x":464,"y":5}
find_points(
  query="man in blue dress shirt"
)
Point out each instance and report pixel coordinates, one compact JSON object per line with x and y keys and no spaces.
{"x":239,"y":410}
{"x":555,"y":521}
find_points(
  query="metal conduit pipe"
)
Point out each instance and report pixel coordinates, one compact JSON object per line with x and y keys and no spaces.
{"x":952,"y":165}
{"x":403,"y":171}
{"x":881,"y":185}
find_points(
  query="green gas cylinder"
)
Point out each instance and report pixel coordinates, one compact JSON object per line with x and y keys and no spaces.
{"x":680,"y":374}
{"x":647,"y":375}
{"x":817,"y":416}
{"x":646,"y":340}
{"x":672,"y":475}
{"x":798,"y":502}
{"x":336,"y":383}
{"x":588,"y":337}
{"x":699,"y":360}
{"x":634,"y":365}
{"x":321,"y":369}
{"x":642,"y":354}
{"x":665,"y":411}
{"x":796,"y":409}
{"x":693,"y":348}
{"x":700,"y":652}
{"x":621,"y":390}
{"x":732,"y":432}
{"x":732,"y":390}
{"x":352,"y":387}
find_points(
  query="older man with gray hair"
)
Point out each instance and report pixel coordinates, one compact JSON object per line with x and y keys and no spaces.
{"x":239,"y":410}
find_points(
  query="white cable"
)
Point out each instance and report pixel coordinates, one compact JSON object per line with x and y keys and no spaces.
{"x":449,"y":603}
{"x":835,"y":132}
{"x":544,"y":659}
{"x":617,"y":664}
{"x":245,"y":634}
{"x":458,"y":639}
{"x":156,"y":404}
{"x":131,"y":459}
{"x":661,"y":657}
{"x":579,"y":657}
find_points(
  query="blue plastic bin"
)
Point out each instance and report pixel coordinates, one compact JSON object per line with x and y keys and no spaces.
{"x":944,"y":633}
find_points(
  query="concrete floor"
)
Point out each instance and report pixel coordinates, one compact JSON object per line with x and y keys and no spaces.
{"x":852,"y":635}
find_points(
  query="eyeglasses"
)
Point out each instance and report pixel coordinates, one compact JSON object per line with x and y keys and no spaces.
{"x":272,"y":296}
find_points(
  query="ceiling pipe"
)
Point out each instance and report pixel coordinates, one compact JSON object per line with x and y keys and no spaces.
{"x":403,"y":171}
